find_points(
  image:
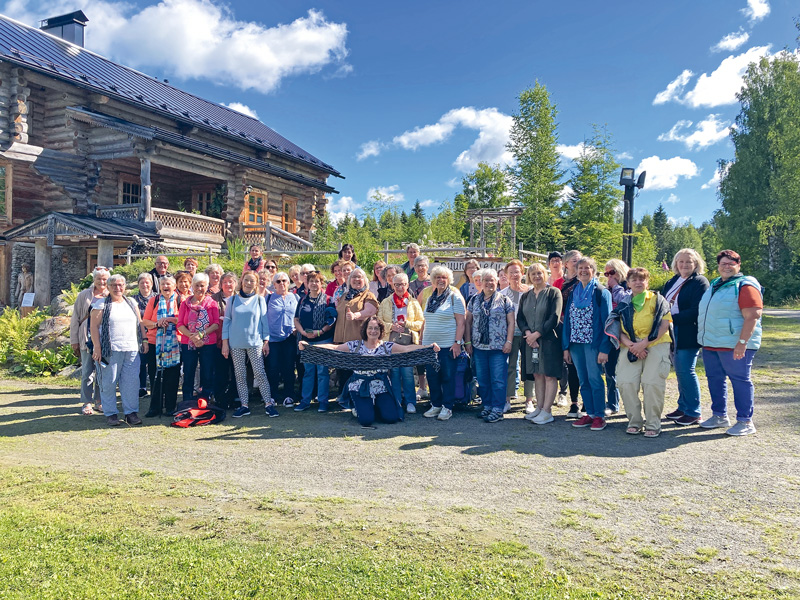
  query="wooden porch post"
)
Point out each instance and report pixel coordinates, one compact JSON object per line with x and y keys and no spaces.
{"x":471,"y":233}
{"x":145,"y":213}
{"x":105,"y":253}
{"x":41,"y":275}
{"x":268,"y":236}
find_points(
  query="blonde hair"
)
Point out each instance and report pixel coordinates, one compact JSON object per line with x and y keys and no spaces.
{"x":620,"y":267}
{"x":699,"y":263}
{"x":535,"y":267}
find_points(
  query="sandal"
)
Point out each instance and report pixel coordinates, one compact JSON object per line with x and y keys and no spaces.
{"x":651,"y":433}
{"x":87,"y":409}
{"x":634,"y":430}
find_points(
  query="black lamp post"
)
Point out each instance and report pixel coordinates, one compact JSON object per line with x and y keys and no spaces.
{"x":626,"y":178}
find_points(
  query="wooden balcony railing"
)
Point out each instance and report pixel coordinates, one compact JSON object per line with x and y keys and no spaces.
{"x":274,"y":238}
{"x":128,"y":212}
{"x":189,"y":227}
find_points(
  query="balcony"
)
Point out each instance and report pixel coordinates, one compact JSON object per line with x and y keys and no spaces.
{"x":274,"y":239}
{"x":188,"y":229}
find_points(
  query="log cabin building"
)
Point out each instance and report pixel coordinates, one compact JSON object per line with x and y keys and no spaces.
{"x":95,"y":155}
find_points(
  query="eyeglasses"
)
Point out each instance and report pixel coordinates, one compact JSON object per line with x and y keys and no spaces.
{"x":272,"y":267}
{"x":727,"y":264}
{"x":610,"y":273}
{"x":281,"y":281}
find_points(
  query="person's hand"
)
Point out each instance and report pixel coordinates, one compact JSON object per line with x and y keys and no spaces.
{"x":612,"y":282}
{"x":455,"y":349}
{"x":640,"y":348}
{"x":567,"y":357}
{"x":436,"y":347}
{"x":398,"y":327}
{"x":225,"y":349}
{"x":96,"y":355}
{"x":145,"y":346}
{"x":76,"y":348}
{"x":738,"y":351}
{"x":302,"y":345}
{"x":507,"y":348}
{"x":348,"y":314}
{"x":199,"y":343}
{"x":602,"y":358}
{"x":265,"y":348}
{"x":535,"y":345}
{"x":468,"y":349}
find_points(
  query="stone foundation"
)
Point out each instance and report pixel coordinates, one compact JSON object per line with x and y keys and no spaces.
{"x":68,"y":266}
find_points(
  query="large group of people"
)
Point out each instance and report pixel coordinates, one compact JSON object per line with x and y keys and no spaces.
{"x":552,"y":329}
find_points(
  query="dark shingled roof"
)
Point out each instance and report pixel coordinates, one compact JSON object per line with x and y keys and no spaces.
{"x":68,"y":224}
{"x":42,"y":52}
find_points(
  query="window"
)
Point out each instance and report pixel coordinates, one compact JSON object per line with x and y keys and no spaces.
{"x":202,"y":202}
{"x":289,"y":222}
{"x":130,"y":190}
{"x":255,"y":209}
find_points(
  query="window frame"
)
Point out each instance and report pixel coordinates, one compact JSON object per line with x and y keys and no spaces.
{"x":131,"y":180}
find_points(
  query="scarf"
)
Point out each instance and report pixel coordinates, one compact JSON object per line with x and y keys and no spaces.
{"x":718,"y":283}
{"x":168,"y":352}
{"x":197,"y":320}
{"x":400,"y":301}
{"x":105,"y":338}
{"x":436,"y":300}
{"x":481,"y":323}
{"x":583,"y":295}
{"x":352,"y":293}
{"x":319,"y":310}
{"x":638,"y":301}
{"x":250,"y":295}
{"x":254,"y":264}
{"x":360,"y":362}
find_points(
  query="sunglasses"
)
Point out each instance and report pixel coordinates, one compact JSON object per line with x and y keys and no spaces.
{"x":272,"y":267}
{"x":610,"y":273}
{"x":281,"y":281}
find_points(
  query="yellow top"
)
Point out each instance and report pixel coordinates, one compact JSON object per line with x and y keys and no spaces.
{"x":643,"y":320}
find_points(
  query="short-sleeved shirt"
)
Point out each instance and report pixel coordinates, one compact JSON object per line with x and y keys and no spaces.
{"x":122,"y":324}
{"x":440,"y":326}
{"x":376,"y":386}
{"x":501,"y":306}
{"x":643,"y":320}
{"x":305,"y":314}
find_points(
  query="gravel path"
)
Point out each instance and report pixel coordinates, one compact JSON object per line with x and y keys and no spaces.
{"x":605,"y":498}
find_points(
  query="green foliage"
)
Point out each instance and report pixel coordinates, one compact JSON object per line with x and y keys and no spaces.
{"x":71,"y":294}
{"x":16,"y":332}
{"x":43,"y":363}
{"x":536,"y":174}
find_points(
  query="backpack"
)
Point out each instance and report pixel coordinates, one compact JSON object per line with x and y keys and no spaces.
{"x":192,"y":413}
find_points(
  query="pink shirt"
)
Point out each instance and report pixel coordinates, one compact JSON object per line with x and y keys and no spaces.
{"x":189,"y":314}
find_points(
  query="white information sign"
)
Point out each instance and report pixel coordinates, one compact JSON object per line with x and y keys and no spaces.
{"x":457,"y":264}
{"x":27,"y":299}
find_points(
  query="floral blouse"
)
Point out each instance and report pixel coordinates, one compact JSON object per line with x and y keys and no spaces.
{"x":498,"y":320}
{"x":376,"y":386}
{"x":581,"y":324}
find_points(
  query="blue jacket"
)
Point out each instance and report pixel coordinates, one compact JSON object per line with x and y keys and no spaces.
{"x":720,"y":320}
{"x":602,"y":307}
{"x":245,"y":325}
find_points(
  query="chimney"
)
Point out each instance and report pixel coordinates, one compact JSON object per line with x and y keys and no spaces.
{"x":68,"y":27}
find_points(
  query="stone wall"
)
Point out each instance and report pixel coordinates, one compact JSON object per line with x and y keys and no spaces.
{"x":63,"y":272}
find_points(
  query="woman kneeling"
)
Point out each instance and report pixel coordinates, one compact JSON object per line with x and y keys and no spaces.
{"x":644,"y":331}
{"x":371,"y":391}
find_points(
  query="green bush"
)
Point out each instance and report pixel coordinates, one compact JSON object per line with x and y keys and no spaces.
{"x":16,"y":334}
{"x":43,"y":363}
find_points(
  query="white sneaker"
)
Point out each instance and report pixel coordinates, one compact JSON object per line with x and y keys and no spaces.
{"x":445,"y":414}
{"x":507,"y":407}
{"x":411,"y":408}
{"x":562,"y":400}
{"x":543,"y":418}
{"x":433,"y":411}
{"x":531,"y":416}
{"x":529,"y":406}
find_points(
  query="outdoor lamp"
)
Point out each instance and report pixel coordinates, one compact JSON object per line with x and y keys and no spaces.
{"x":626,"y":177}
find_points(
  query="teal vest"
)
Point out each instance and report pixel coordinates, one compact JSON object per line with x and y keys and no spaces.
{"x":720,"y":320}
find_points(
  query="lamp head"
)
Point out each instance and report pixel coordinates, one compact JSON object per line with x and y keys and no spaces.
{"x":626,"y":177}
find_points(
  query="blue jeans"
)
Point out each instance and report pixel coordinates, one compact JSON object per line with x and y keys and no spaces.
{"x":403,"y":385}
{"x":442,"y":383}
{"x":688,"y":384}
{"x":491,"y":367}
{"x":721,"y":366}
{"x":190,"y":356}
{"x":611,"y":380}
{"x":90,"y":389}
{"x":320,"y":374}
{"x":383,"y":409}
{"x":590,"y":375}
{"x":123,"y":370}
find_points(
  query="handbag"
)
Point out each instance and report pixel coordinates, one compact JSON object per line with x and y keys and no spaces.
{"x":402,"y":338}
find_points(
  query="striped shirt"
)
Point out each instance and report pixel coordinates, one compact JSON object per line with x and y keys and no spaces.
{"x":440,"y":327}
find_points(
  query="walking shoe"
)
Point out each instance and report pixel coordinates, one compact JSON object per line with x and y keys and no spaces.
{"x":424,"y":393}
{"x":742,"y":428}
{"x":445,"y":414}
{"x":494,"y":416}
{"x":484,"y":413}
{"x":301,"y":407}
{"x":598,"y":424}
{"x":433,"y":411}
{"x":113,"y":420}
{"x":532,"y":415}
{"x":584,"y":421}
{"x":323,"y":408}
{"x":675,"y":415}
{"x":133,"y":419}
{"x":271,"y":410}
{"x":715,"y":421}
{"x":507,"y":407}
{"x":530,"y":406}
{"x":142,"y":392}
{"x":242,"y":411}
{"x":355,"y":412}
{"x":562,"y":399}
{"x":687,"y":420}
{"x":573,"y":412}
{"x":544,"y":418}
{"x":610,"y":412}
{"x":411,"y":408}
{"x":288,"y":402}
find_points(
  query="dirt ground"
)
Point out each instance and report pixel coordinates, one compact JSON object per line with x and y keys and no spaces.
{"x":602,"y":498}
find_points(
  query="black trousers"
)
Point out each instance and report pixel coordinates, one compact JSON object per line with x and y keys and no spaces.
{"x":280,"y":367}
{"x":164,"y":394}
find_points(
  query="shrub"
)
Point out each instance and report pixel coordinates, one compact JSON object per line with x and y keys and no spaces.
{"x":43,"y":363}
{"x":16,"y":332}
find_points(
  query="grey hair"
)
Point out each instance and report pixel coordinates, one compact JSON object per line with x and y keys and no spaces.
{"x":421,"y":259}
{"x":164,"y":278}
{"x":400,"y":274}
{"x":214,"y":267}
{"x":388,"y":268}
{"x":442,"y":270}
{"x":143,"y":276}
{"x":490,"y":272}
{"x":308,"y":267}
{"x":412,"y":246}
{"x":114,"y":278}
{"x":230,"y":274}
{"x":98,"y":271}
{"x":200,"y":277}
{"x":572,"y":254}
{"x":356,"y":270}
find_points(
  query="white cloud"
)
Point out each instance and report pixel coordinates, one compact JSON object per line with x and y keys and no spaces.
{"x":428,"y":203}
{"x":673,"y":199}
{"x":756,"y":10}
{"x":202,"y":39}
{"x":674,"y":89}
{"x":725,"y":82}
{"x":455,"y":182}
{"x":371,"y":148}
{"x":390,"y":193}
{"x":242,"y":108}
{"x":709,"y":131}
{"x":664,"y":173}
{"x":339,"y":207}
{"x":490,"y":146}
{"x":564,"y":194}
{"x":731,"y":42}
{"x":676,"y":222}
{"x":624,"y":156}
{"x":571,"y":152}
{"x":714,"y":181}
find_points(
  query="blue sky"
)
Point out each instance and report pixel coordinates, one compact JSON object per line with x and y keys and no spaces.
{"x":406,"y":98}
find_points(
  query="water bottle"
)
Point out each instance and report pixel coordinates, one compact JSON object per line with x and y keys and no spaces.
{"x":535,"y":356}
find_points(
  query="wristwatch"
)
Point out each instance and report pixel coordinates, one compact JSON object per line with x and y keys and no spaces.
{"x":743,"y":341}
